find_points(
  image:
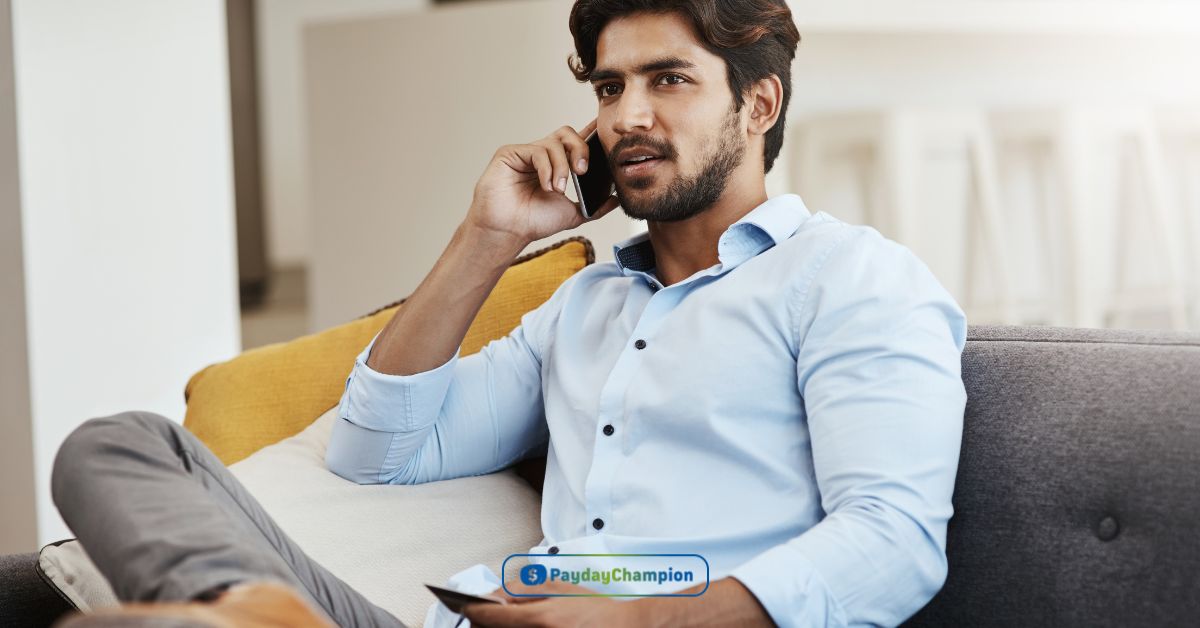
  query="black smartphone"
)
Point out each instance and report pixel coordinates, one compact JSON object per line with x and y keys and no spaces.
{"x":596,"y":185}
{"x":455,"y":600}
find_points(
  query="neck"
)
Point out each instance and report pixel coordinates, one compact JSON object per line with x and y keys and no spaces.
{"x":683,"y":248}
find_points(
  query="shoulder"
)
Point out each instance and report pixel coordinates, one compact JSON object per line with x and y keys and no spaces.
{"x":829,"y":237}
{"x":828,"y":251}
{"x":855,"y":264}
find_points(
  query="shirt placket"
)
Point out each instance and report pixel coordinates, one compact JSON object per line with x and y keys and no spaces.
{"x":612,"y":420}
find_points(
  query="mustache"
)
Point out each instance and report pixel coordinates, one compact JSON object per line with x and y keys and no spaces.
{"x":660,"y":146}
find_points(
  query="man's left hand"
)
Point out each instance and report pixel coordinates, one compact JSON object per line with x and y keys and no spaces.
{"x":574,"y":612}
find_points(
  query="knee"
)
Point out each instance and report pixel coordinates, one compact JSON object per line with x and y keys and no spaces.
{"x":86,"y":447}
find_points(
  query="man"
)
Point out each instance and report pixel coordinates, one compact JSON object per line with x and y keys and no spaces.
{"x":774,"y":390}
{"x":801,"y":373}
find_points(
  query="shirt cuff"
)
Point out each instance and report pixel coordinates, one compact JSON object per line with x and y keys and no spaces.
{"x":394,"y":403}
{"x":789,"y":586}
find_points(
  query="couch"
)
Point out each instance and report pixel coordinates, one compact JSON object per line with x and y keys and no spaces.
{"x":1076,"y":502}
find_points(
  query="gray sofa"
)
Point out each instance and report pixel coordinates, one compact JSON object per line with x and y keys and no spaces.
{"x":1078,"y":494}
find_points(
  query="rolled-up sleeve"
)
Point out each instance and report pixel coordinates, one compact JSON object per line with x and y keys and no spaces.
{"x":382,"y":419}
{"x":878,"y":366}
{"x":387,"y":403}
{"x":472,"y":415}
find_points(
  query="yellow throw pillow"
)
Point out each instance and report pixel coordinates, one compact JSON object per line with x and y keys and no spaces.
{"x":270,"y":393}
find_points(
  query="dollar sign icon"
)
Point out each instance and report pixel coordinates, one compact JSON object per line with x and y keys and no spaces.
{"x":533,"y":574}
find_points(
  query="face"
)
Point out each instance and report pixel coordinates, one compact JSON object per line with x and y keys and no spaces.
{"x":665,"y":117}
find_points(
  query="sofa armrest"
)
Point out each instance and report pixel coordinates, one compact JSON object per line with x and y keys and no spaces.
{"x":25,"y":598}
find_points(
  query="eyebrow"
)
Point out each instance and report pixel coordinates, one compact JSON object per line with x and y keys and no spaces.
{"x":657,"y":65}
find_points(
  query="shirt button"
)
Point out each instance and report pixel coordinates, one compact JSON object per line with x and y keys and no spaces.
{"x":640,"y":344}
{"x":608,"y":430}
{"x":597,"y":523}
{"x":553,"y":549}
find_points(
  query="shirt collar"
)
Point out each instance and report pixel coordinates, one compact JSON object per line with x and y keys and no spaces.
{"x":762,"y":228}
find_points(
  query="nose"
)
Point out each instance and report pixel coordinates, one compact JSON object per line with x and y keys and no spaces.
{"x":634,"y":112}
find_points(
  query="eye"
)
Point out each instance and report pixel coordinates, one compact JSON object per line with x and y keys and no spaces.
{"x":602,"y":90}
{"x":672,"y":76}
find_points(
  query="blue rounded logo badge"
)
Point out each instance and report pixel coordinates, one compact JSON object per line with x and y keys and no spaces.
{"x":533,"y":574}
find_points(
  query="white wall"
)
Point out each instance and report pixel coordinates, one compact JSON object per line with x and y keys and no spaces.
{"x":279,"y":25}
{"x":404,"y":110}
{"x":404,"y":113}
{"x":127,"y":208}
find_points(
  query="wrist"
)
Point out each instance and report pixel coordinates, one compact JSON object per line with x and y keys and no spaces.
{"x":499,"y":246}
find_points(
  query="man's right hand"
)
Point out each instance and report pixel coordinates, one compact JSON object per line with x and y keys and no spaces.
{"x":522,"y":191}
{"x":517,"y":201}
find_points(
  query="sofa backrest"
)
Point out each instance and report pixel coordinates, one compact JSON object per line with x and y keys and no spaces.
{"x":1078,"y":494}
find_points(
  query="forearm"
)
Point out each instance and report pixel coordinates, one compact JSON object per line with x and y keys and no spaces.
{"x":426,"y":331}
{"x":727,"y":602}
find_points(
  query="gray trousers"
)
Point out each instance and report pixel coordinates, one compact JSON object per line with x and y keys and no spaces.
{"x":164,"y":520}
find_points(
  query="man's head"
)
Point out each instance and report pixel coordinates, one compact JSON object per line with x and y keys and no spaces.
{"x":694,"y":83}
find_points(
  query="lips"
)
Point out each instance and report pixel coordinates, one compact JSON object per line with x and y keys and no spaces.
{"x":637,"y":151}
{"x":639,"y":167}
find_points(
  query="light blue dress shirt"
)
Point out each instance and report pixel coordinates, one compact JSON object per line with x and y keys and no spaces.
{"x":793,"y":413}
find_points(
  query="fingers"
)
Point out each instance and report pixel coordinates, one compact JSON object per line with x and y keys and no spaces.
{"x":576,"y":146}
{"x":528,"y":159}
{"x":554,"y":157}
{"x":540,"y":157}
{"x":558,"y":159}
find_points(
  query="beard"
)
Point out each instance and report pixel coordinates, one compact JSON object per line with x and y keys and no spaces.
{"x":686,"y":196}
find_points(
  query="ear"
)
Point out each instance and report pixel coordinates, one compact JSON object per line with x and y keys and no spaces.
{"x":766,"y":100}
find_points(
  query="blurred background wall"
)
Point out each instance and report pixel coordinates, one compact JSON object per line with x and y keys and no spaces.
{"x":18,"y":524}
{"x":1033,"y":153}
{"x":391,"y":175}
{"x":279,"y":25}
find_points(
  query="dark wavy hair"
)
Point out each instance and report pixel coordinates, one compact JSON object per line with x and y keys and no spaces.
{"x":756,"y":38}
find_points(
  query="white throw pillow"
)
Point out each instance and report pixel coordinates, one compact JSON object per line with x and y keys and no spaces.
{"x":384,"y":541}
{"x":68,"y":568}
